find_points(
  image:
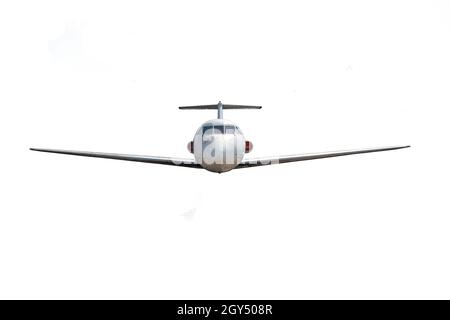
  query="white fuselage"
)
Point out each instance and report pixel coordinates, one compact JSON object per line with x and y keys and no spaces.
{"x":219,"y":145}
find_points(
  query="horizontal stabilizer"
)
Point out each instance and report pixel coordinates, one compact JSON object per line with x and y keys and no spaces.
{"x":215,"y":106}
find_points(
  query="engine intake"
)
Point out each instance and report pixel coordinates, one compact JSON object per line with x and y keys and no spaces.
{"x":248,"y":146}
{"x":190,"y":146}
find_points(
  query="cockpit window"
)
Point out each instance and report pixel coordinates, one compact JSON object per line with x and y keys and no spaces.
{"x":217,"y":129}
{"x":207,"y":128}
{"x":224,"y":129}
{"x":229,"y":129}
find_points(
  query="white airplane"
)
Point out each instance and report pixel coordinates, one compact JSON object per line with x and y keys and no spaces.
{"x":219,"y":146}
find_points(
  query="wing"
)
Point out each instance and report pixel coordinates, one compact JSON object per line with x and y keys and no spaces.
{"x":127,"y":157}
{"x":309,"y":156}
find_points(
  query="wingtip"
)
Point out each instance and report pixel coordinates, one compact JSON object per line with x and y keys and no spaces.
{"x":39,"y":149}
{"x":399,"y":147}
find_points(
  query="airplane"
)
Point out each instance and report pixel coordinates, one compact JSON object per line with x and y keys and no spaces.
{"x":219,"y":146}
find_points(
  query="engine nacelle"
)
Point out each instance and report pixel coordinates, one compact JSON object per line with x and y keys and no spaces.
{"x":190,"y":146}
{"x":248,"y":146}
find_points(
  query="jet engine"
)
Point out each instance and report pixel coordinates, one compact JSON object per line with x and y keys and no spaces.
{"x":248,"y":146}
{"x":190,"y":146}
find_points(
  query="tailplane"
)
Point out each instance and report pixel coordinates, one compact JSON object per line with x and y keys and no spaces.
{"x":219,"y":107}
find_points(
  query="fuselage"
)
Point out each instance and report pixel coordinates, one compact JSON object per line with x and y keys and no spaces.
{"x":219,"y":145}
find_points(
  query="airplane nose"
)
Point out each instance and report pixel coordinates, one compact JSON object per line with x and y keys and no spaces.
{"x":219,"y":153}
{"x":219,"y":145}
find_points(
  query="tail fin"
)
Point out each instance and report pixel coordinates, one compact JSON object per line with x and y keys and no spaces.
{"x":219,"y":107}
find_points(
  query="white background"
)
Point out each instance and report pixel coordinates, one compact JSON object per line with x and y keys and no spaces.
{"x":109,"y":76}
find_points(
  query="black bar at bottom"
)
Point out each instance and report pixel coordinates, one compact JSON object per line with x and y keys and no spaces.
{"x":224,"y":309}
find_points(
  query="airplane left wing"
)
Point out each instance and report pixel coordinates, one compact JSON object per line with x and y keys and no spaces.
{"x":309,"y":156}
{"x":127,"y":157}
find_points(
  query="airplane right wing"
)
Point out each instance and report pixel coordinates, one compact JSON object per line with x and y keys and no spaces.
{"x":308,"y":156}
{"x":128,"y":157}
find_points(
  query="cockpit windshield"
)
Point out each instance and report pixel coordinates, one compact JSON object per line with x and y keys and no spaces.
{"x":217,"y":129}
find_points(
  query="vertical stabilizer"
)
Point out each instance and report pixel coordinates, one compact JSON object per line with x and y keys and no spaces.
{"x":220,"y":110}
